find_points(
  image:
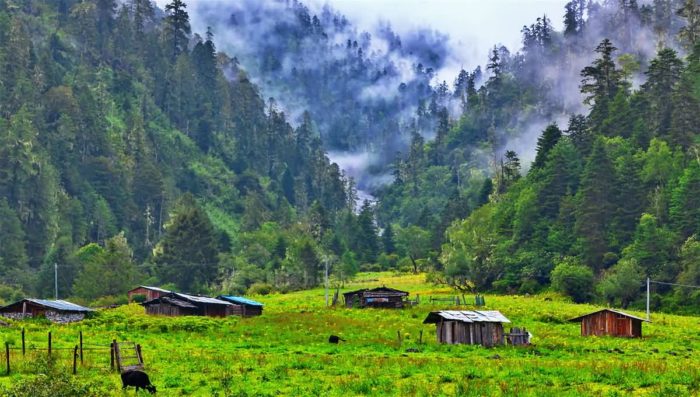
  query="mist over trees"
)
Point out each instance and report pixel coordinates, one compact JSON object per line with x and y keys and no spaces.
{"x":132,"y":146}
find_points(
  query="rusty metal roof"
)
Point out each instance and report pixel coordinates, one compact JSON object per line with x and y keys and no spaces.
{"x":608,"y":310}
{"x":466,"y":316}
{"x":379,"y":291}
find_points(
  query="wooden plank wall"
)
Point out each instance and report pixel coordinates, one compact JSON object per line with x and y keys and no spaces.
{"x":455,"y":332}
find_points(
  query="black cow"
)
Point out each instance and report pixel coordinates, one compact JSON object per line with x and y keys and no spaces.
{"x":139,"y":379}
{"x":335,"y":339}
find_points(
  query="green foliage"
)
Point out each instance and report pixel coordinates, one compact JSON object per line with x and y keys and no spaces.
{"x":622,"y":283}
{"x":573,"y":279}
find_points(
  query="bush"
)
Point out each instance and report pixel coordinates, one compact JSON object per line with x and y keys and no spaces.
{"x":260,"y":289}
{"x":573,"y":279}
{"x":53,"y":381}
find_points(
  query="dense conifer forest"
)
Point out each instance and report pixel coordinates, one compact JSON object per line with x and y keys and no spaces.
{"x":133,"y":150}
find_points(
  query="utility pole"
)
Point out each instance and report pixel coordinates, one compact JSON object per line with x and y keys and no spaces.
{"x":55,"y":280}
{"x":648,"y":313}
{"x":325,"y":260}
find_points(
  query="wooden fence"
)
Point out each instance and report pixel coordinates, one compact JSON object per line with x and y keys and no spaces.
{"x":518,"y":337}
{"x":21,"y":358}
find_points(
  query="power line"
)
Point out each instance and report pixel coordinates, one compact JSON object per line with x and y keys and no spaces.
{"x":678,"y":285}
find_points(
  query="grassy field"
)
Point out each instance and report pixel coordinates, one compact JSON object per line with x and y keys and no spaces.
{"x":285,"y":351}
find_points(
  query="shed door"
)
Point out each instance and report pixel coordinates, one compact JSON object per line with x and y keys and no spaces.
{"x":622,"y":326}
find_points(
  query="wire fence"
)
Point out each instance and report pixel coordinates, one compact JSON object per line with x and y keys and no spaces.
{"x":22,"y":355}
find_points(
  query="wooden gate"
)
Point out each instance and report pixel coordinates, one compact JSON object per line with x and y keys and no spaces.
{"x":127,"y":355}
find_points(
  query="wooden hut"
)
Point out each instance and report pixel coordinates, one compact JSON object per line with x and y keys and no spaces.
{"x":241,"y":306}
{"x":177,"y":304}
{"x":57,"y":311}
{"x":381,"y":297}
{"x":149,"y":292}
{"x":468,"y":327}
{"x":610,"y":322}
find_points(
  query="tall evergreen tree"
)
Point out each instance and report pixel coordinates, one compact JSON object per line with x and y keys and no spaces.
{"x":549,"y":138}
{"x":595,"y":208}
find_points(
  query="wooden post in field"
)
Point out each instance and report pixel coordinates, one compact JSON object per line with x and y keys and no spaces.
{"x":23,"y":344}
{"x":81,"y":347}
{"x":49,"y":344}
{"x":420,"y":338}
{"x":398,"y":335}
{"x":75,"y":358}
{"x":138,"y":351}
{"x":7,"y":356}
{"x":111,"y":354}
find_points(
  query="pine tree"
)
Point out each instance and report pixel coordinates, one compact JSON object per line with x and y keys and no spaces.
{"x":177,"y":28}
{"x":595,"y":208}
{"x":549,"y":138}
{"x":663,"y":75}
{"x":187,"y":254}
{"x":601,"y":82}
{"x":685,"y":202}
{"x":368,"y":244}
{"x":388,"y":239}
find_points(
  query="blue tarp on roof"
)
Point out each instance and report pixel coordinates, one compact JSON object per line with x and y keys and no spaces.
{"x":240,"y":300}
{"x":60,"y":305}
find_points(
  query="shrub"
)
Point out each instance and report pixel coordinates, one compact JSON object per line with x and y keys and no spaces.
{"x":573,"y":279}
{"x":260,"y":289}
{"x":53,"y":381}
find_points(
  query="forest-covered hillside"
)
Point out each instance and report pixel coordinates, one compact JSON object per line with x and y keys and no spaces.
{"x":135,"y":151}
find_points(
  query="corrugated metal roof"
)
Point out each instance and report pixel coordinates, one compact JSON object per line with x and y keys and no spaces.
{"x":60,"y":305}
{"x":240,"y":300}
{"x":152,"y":288}
{"x":467,"y":316}
{"x":609,"y":310}
{"x":201,"y":299}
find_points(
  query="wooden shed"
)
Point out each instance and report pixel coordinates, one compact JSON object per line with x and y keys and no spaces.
{"x":57,"y":311}
{"x":468,"y":327}
{"x":382,"y":297}
{"x":241,"y":306}
{"x":149,"y":292}
{"x":177,"y":304}
{"x":610,"y":322}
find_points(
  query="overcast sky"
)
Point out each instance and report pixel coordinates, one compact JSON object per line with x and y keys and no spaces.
{"x":474,"y":26}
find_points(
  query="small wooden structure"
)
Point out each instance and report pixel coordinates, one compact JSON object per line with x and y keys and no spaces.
{"x":468,"y":327}
{"x":57,"y":311}
{"x":178,"y":304}
{"x":149,"y":292}
{"x":610,"y":322}
{"x":241,"y":306}
{"x":382,"y":297}
{"x":128,"y":356}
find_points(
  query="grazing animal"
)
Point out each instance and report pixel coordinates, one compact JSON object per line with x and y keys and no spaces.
{"x":335,"y":339}
{"x":138,"y":379}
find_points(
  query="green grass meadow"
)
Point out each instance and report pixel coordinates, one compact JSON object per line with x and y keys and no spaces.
{"x":285,"y":351}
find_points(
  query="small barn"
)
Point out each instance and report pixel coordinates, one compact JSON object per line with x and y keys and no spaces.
{"x":241,"y":306}
{"x":610,"y":322}
{"x":149,"y":292}
{"x":178,"y":304}
{"x":57,"y":311}
{"x":468,"y":327}
{"x":381,"y":297}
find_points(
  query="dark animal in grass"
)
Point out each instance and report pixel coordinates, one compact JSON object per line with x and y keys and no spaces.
{"x":335,"y":339}
{"x":138,"y":379}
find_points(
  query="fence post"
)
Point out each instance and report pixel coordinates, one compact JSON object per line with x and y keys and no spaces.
{"x":49,"y":344}
{"x":420,"y":338}
{"x":81,"y":347}
{"x":75,"y":358}
{"x":23,"y":344}
{"x":398,"y":335}
{"x":111,"y":355}
{"x":7,"y":356}
{"x":138,"y":351}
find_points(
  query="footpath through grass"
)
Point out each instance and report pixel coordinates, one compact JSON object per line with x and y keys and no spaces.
{"x":285,"y":351}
